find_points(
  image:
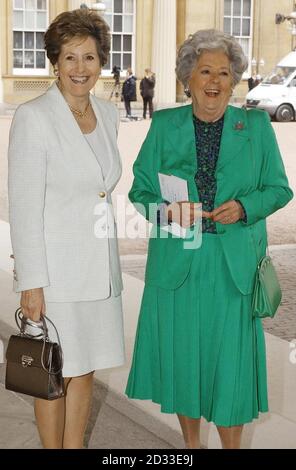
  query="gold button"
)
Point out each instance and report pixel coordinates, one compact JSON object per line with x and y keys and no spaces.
{"x":102,"y":194}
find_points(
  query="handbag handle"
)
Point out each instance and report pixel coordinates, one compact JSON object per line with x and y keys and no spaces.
{"x":22,"y":322}
{"x":251,"y":228}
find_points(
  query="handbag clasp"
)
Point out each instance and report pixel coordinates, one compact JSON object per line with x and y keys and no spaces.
{"x":27,"y":361}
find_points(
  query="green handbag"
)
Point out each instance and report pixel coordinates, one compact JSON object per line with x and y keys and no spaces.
{"x":267,"y":292}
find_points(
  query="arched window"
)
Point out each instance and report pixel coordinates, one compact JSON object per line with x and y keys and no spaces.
{"x":120,"y":15}
{"x":30,"y":21}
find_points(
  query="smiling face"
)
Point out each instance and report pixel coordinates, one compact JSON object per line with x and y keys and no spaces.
{"x":211,"y":85}
{"x":79,"y":68}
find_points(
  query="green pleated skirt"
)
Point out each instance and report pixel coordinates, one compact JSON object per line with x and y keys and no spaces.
{"x":198,"y":352}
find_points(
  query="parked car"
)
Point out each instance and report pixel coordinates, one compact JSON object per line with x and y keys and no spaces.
{"x":276,"y":94}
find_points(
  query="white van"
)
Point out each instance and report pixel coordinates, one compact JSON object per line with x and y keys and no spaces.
{"x":277,"y":93}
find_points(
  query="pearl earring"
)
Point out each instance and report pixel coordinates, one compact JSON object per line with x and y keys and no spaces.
{"x":56,"y":72}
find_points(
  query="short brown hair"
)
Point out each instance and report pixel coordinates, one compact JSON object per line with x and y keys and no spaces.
{"x":77,"y":23}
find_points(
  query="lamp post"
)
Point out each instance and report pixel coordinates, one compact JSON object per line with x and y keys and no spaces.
{"x":279,"y":18}
{"x":254,"y":66}
{"x":257,"y":66}
{"x":261,"y":67}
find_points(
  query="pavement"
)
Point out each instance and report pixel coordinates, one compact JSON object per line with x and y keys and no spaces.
{"x":119,"y":423}
{"x":115,"y":421}
{"x":108,"y":428}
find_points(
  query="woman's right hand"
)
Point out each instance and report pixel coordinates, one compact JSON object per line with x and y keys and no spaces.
{"x":184,"y":213}
{"x":33,"y":304}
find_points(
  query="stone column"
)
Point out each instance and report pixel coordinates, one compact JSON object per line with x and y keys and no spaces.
{"x":1,"y":82}
{"x":164,"y":51}
{"x":3,"y":44}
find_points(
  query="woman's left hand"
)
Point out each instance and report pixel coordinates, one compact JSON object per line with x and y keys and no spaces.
{"x":228,"y":213}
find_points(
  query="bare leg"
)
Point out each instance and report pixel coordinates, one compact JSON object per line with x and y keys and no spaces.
{"x":50,"y":417}
{"x":191,"y":430}
{"x":231,"y":436}
{"x":78,"y":404}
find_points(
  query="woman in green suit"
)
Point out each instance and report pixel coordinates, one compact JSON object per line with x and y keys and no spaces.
{"x":198,"y":351}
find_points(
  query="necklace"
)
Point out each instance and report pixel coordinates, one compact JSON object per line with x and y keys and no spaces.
{"x":80,"y":114}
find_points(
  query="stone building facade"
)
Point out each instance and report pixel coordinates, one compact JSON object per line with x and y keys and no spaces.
{"x":145,"y":33}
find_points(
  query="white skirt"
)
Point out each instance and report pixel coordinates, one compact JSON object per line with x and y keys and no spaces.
{"x":91,"y":334}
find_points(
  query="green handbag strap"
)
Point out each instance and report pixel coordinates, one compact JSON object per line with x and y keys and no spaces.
{"x":259,"y":258}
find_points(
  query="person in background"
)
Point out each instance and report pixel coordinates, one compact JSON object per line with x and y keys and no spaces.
{"x":199,"y":352}
{"x":63,"y":166}
{"x":251,"y":82}
{"x":254,"y":81}
{"x":258,"y":80}
{"x":147,"y":86}
{"x":129,"y":91}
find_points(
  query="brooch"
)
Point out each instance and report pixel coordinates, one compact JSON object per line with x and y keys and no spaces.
{"x":239,"y":126}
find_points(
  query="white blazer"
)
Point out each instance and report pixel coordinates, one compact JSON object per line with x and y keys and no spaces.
{"x":55,"y":184}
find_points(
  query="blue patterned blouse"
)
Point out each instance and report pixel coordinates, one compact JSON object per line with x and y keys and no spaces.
{"x":208,"y":138}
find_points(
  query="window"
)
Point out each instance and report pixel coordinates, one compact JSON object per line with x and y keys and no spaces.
{"x":120,"y":15}
{"x":30,"y":21}
{"x":238,"y":23}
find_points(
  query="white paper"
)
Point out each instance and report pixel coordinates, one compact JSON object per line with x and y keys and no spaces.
{"x":174,"y":189}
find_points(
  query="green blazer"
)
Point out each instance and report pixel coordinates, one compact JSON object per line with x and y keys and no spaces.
{"x":249,"y":168}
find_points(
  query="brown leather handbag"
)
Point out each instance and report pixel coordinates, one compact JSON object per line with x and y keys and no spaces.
{"x":34,"y":363}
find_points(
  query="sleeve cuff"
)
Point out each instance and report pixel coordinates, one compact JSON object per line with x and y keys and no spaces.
{"x":28,"y":284}
{"x":244,"y":218}
{"x":161,"y":214}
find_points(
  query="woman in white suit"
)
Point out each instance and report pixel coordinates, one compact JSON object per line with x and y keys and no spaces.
{"x":63,"y":165}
